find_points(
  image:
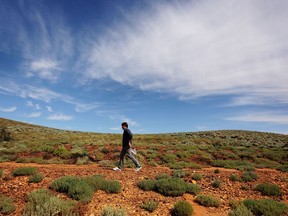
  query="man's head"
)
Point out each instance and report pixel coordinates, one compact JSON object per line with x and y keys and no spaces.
{"x":124,"y":125}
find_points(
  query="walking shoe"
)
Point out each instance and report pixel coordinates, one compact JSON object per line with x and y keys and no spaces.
{"x":116,"y":169}
{"x":138,"y":169}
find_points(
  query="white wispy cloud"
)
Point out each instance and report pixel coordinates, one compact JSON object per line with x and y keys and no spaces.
{"x":34,"y":106}
{"x":264,"y":117}
{"x":194,"y":49}
{"x":8,"y":109}
{"x":41,"y":36}
{"x":60,"y":117}
{"x":49,"y":108}
{"x":33,"y":115}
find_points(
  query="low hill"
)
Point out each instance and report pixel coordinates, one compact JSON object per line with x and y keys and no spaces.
{"x":225,"y":148}
{"x":196,"y":158}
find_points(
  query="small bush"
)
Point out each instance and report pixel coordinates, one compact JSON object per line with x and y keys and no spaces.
{"x":266,"y":207}
{"x":6,"y":205}
{"x":208,"y":201}
{"x":178,"y":174}
{"x":269,"y":189}
{"x":147,"y":185}
{"x":1,"y":173}
{"x":95,"y":181}
{"x":162,"y":176}
{"x":249,"y":176}
{"x":241,"y":210}
{"x":111,"y":186}
{"x":171,"y":187}
{"x":42,"y":202}
{"x":36,"y":178}
{"x":193,"y":189}
{"x":74,"y":187}
{"x":197,"y":176}
{"x":217,"y":183}
{"x":234,"y":177}
{"x":149,"y":206}
{"x":110,"y":211}
{"x":183,"y":208}
{"x":24,"y":171}
{"x":216,"y":171}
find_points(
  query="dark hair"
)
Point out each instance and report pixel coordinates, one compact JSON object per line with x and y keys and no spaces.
{"x":125,"y":124}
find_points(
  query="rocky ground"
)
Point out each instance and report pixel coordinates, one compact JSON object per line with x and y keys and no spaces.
{"x":131,"y":196}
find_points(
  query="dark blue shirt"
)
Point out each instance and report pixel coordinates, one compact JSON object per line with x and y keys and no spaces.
{"x":127,"y":136}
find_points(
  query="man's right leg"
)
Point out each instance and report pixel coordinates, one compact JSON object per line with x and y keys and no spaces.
{"x":121,"y":161}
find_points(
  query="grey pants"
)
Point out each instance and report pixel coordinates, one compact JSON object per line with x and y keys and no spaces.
{"x":127,"y":152}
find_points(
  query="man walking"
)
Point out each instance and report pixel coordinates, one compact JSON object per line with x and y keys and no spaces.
{"x":126,"y":149}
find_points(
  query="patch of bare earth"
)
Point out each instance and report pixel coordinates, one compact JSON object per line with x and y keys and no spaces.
{"x":131,"y":197}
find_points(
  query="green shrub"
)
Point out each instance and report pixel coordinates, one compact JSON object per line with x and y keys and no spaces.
{"x":147,"y":185}
{"x":249,"y":176}
{"x":74,"y":187}
{"x":283,"y":168}
{"x":197,"y":176}
{"x":245,"y":187}
{"x":1,"y":173}
{"x":266,"y":207}
{"x":234,"y":177}
{"x":217,"y":183}
{"x":6,"y":205}
{"x":241,"y":210}
{"x":162,"y":176}
{"x":36,"y":178}
{"x":183,"y":208}
{"x":42,"y":202}
{"x":178,"y":174}
{"x":268,"y":189}
{"x":171,"y":187}
{"x":111,"y":186}
{"x":62,"y":152}
{"x":110,"y":211}
{"x":208,"y":201}
{"x":149,"y":206}
{"x":192,"y":188}
{"x":24,"y":171}
{"x":95,"y":181}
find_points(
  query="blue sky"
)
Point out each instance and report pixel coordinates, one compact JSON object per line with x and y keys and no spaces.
{"x":162,"y":66}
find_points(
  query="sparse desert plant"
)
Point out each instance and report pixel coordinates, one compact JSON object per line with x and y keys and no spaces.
{"x":110,"y":211}
{"x":162,"y":176}
{"x":42,"y":202}
{"x":111,"y":186}
{"x":149,"y":206}
{"x":171,"y":187}
{"x":5,"y":135}
{"x":267,"y":207}
{"x":6,"y":205}
{"x":208,"y":201}
{"x":178,"y":174}
{"x":249,"y":176}
{"x":197,"y":176}
{"x":245,"y":187}
{"x":1,"y":173}
{"x":234,"y":177}
{"x":216,"y":171}
{"x":147,"y":184}
{"x":36,"y":178}
{"x":74,"y":187}
{"x":192,"y":188}
{"x":24,"y":171}
{"x":268,"y":189}
{"x":240,"y":210}
{"x":182,"y":208}
{"x":217,"y":183}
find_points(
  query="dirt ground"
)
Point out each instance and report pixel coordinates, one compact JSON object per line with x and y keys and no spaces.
{"x":131,"y":197}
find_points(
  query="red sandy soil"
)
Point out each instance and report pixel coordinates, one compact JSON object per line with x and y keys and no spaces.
{"x":131,"y":197}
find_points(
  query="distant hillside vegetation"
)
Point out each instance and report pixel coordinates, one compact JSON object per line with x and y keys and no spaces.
{"x":226,"y":148}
